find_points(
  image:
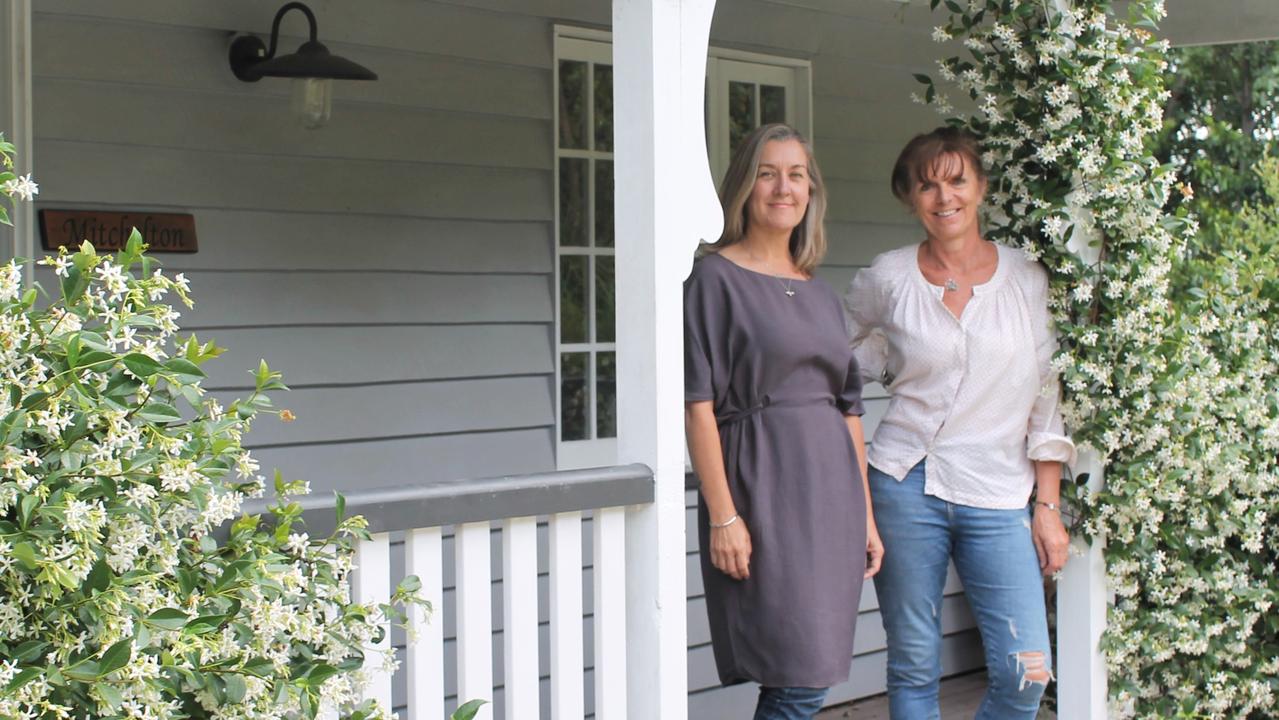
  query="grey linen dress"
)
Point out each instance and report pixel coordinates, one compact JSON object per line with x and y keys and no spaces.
{"x":781,"y":377}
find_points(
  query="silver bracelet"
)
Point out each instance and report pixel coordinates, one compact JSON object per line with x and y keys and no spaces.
{"x":1050,"y":506}
{"x":724,"y":524}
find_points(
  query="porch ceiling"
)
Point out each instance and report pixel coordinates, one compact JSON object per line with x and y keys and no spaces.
{"x":1189,"y":22}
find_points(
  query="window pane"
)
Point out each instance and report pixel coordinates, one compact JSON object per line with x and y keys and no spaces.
{"x":606,"y":395}
{"x":772,"y":104}
{"x":604,"y":298}
{"x":741,"y":112}
{"x":604,"y":203}
{"x":573,"y":396}
{"x":572,"y":104}
{"x":604,"y":107}
{"x":573,"y":201}
{"x":573,"y":298}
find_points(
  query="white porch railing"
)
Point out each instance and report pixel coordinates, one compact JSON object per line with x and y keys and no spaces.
{"x":476,"y":511}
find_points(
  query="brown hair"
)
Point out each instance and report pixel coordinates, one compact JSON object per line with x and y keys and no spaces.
{"x":808,"y":239}
{"x":926,"y":155}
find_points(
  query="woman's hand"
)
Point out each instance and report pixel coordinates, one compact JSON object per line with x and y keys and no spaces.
{"x":731,"y":549}
{"x":1052,"y":542}
{"x":874,"y":550}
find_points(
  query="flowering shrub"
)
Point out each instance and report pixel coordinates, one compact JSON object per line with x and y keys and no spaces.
{"x":1174,"y":386}
{"x":116,"y":600}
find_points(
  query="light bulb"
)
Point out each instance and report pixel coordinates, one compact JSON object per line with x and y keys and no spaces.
{"x":312,"y":101}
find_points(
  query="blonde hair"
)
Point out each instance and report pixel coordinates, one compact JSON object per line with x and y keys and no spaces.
{"x":808,"y":239}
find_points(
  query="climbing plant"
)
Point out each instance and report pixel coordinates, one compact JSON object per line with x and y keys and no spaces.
{"x":1174,"y":386}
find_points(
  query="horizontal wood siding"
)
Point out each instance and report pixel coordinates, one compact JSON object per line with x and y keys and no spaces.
{"x":395,"y":265}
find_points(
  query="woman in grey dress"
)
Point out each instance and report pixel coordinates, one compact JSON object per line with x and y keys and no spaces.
{"x":773,"y":406}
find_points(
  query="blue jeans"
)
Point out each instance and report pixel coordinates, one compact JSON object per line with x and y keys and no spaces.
{"x":996,"y":560}
{"x":789,"y":703}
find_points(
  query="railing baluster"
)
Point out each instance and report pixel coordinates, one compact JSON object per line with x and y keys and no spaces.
{"x":372,"y":586}
{"x":425,"y":666}
{"x":610,"y":614}
{"x":519,"y":626}
{"x":474,"y":616}
{"x":567,"y":697}
{"x":422,"y":510}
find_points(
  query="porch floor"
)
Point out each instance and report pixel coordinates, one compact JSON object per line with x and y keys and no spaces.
{"x":960,"y":696}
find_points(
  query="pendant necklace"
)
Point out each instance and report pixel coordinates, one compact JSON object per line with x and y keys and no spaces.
{"x":789,"y":281}
{"x":951,"y":285}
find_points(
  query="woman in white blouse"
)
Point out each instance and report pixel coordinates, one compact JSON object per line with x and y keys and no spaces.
{"x":957,"y":329}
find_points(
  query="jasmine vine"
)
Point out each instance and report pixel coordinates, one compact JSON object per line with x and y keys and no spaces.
{"x":117,"y":599}
{"x":1169,"y":363}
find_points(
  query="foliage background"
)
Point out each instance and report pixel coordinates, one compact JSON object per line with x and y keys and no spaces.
{"x":1221,"y":121}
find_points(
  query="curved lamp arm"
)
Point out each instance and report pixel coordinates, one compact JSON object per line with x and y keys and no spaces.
{"x":275,"y":25}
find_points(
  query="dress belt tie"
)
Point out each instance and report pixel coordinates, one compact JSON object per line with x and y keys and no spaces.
{"x":767,"y":402}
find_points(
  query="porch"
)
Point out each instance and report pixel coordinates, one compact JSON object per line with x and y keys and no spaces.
{"x":439,"y":335}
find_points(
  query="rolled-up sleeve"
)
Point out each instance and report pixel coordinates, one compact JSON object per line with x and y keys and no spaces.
{"x":849,"y":401}
{"x":699,"y":315}
{"x":864,"y":308}
{"x":1046,"y":437}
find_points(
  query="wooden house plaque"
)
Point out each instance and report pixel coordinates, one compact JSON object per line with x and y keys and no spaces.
{"x":108,"y":231}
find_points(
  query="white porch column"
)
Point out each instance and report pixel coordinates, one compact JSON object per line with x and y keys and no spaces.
{"x":1081,"y":617}
{"x":665,"y":203}
{"x":15,"y":120}
{"x":1081,"y":592}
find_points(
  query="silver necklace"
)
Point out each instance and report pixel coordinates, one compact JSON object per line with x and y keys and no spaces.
{"x":951,"y":285}
{"x":787,"y":285}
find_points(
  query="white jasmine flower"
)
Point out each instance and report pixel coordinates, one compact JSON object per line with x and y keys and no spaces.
{"x":23,"y":187}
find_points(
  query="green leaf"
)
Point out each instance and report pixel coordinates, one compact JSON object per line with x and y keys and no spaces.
{"x":109,"y":695}
{"x":84,"y":671}
{"x":410,"y":584}
{"x":232,"y":571}
{"x":27,"y":508}
{"x":204,"y":624}
{"x":259,"y":667}
{"x":116,"y":657}
{"x":23,"y":552}
{"x":142,"y":366}
{"x":319,"y":674}
{"x":99,"y":577}
{"x":23,"y":677}
{"x":922,"y":79}
{"x":184,"y":367}
{"x":468,"y":710}
{"x":167,"y":619}
{"x":208,"y":545}
{"x":133,"y":246}
{"x":33,"y":399}
{"x":236,"y":688}
{"x":160,"y":412}
{"x":30,"y":651}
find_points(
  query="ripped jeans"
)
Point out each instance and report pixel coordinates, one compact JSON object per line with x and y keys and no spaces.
{"x":996,"y":561}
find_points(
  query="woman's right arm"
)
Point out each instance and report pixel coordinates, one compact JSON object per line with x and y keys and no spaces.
{"x":730,"y":549}
{"x":864,"y":313}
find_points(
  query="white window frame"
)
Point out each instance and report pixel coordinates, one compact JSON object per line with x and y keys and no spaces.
{"x":722,"y":66}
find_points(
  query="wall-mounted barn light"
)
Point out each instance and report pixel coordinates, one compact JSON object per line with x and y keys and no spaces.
{"x":313,"y":68}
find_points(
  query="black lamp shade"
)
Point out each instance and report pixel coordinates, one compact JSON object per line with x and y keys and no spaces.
{"x":313,"y":60}
{"x":252,"y":61}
